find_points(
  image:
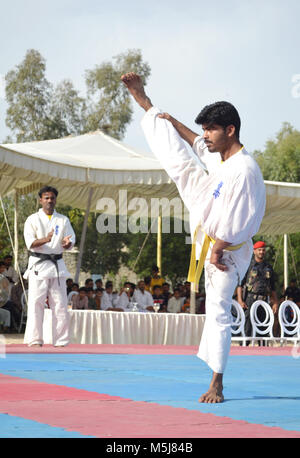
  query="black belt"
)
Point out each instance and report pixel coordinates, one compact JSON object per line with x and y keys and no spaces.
{"x":47,"y":257}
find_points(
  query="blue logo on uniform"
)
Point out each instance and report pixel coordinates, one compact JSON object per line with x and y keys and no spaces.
{"x":56,"y":230}
{"x":217,"y":191}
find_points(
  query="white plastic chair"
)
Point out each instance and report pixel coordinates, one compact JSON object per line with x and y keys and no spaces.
{"x":290,"y":329}
{"x":263,"y":327}
{"x":238,"y":323}
{"x":24,"y":310}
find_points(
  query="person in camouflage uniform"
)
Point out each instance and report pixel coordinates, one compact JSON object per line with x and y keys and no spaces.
{"x":258,"y":284}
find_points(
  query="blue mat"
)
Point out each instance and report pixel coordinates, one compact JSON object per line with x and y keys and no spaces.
{"x":258,"y":389}
{"x":11,"y":426}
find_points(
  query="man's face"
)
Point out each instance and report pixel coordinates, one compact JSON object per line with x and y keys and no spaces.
{"x":8,"y":261}
{"x":216,"y":137}
{"x":48,"y":202}
{"x":142,"y":285}
{"x":259,"y":253}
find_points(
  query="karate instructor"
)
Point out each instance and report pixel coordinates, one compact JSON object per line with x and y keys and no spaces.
{"x":47,"y":235}
{"x":223,"y":189}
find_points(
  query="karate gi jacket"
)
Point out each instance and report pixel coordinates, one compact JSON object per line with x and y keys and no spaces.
{"x":38,"y":226}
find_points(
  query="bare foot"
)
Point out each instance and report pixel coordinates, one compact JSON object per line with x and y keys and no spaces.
{"x":135,"y":86}
{"x":214,"y":394}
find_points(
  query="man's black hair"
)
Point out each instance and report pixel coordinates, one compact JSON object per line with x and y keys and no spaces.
{"x":221,"y":113}
{"x":48,"y":189}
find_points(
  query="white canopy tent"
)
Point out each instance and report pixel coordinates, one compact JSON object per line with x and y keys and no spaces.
{"x":89,"y":167}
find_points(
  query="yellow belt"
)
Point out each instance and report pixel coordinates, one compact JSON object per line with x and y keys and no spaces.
{"x":195,"y":270}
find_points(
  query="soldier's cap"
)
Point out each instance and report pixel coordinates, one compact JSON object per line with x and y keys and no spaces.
{"x":259,"y":245}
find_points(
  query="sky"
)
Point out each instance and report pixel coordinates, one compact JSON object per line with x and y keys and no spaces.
{"x":242,"y":51}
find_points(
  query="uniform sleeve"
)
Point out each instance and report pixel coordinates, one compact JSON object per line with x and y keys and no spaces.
{"x":244,"y":211}
{"x":29,"y":233}
{"x":68,"y":230}
{"x":180,"y":163}
{"x":208,"y":160}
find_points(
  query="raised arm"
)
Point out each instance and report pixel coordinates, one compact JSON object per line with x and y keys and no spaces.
{"x":165,"y":137}
{"x":187,"y":134}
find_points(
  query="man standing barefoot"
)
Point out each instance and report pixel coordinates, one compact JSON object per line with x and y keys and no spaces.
{"x":225,"y":195}
{"x":47,"y":235}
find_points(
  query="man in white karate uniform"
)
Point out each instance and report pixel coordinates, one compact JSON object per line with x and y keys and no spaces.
{"x":47,"y":235}
{"x":225,"y":195}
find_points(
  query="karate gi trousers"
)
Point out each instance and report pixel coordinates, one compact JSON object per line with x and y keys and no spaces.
{"x":38,"y":291}
{"x":215,"y":341}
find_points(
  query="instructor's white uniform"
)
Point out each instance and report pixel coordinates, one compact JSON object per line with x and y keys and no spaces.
{"x":43,"y":281}
{"x":227,"y":200}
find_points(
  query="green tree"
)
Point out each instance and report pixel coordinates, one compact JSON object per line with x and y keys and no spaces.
{"x":109,"y":103}
{"x":103,"y":253}
{"x":280,"y":161}
{"x":67,"y":111}
{"x":175,"y":253}
{"x":28,"y":94}
{"x":39,"y":111}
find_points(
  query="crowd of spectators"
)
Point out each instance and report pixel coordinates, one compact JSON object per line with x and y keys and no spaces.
{"x":153,"y":293}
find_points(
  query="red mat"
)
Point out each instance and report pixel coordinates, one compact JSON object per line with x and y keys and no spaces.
{"x":104,"y":416}
{"x":144,"y":349}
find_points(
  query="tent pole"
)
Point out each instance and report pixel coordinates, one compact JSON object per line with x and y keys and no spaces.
{"x":285,"y":261}
{"x":83,"y":234}
{"x":158,"y":255}
{"x":16,"y":241}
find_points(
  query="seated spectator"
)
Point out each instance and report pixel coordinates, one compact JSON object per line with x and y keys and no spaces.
{"x":156,"y":279}
{"x":147,"y":281}
{"x":186,"y":305}
{"x":180,"y":286}
{"x":108,"y":299}
{"x":187,"y":289}
{"x":175,"y":302}
{"x":9,"y":272}
{"x":91,"y":299}
{"x":69,"y":284}
{"x":17,"y":292}
{"x":107,"y":296}
{"x":158,"y":298}
{"x":143,"y":297}
{"x":5,"y":321}
{"x":6,"y":303}
{"x":98,"y":297}
{"x":80,"y":301}
{"x":200,"y":303}
{"x":166,"y":293}
{"x":73,"y":292}
{"x":98,"y":284}
{"x":89,"y":283}
{"x":124,"y":298}
{"x":292,"y":292}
